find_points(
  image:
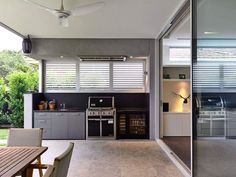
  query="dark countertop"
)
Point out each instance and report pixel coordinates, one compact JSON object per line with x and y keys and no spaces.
{"x":132,"y":110}
{"x":62,"y":110}
{"x":83,"y":110}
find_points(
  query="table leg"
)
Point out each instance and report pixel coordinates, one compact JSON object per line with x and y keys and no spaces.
{"x":28,"y":172}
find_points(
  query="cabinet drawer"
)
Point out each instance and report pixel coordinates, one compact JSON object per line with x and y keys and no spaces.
{"x":42,"y":115}
{"x":42,"y":122}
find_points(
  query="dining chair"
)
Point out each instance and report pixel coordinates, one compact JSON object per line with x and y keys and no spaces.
{"x":49,"y":171}
{"x":26,"y":137}
{"x":60,"y":166}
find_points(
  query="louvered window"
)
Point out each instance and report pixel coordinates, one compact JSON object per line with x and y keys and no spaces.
{"x":94,"y":75}
{"x":215,"y":69}
{"x":60,"y":76}
{"x":179,"y":54}
{"x":206,"y":75}
{"x":128,"y":75}
{"x":229,"y":74}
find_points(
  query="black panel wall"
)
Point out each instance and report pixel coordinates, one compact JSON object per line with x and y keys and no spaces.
{"x":80,"y":100}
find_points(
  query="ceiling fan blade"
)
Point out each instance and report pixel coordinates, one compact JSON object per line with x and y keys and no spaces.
{"x":85,"y":9}
{"x":41,"y":6}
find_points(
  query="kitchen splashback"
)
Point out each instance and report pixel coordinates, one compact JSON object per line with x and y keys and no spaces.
{"x":80,"y":100}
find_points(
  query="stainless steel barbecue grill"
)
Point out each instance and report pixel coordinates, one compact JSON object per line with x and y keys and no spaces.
{"x":211,"y":118}
{"x":101,"y":118}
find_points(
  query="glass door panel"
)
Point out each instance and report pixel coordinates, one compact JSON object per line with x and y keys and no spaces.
{"x":214,"y":87}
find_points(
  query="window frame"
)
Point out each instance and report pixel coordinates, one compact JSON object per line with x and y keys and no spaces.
{"x":145,"y":89}
{"x":167,"y":60}
{"x":144,"y":78}
{"x":45,"y":78}
{"x":90,"y":89}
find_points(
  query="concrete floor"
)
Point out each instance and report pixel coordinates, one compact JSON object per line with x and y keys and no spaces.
{"x":215,"y":158}
{"x":113,"y":159}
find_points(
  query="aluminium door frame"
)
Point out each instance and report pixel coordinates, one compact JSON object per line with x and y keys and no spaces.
{"x":184,"y":10}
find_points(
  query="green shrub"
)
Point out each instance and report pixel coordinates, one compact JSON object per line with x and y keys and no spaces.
{"x":16,"y":78}
{"x":4,"y":119}
{"x":19,"y":83}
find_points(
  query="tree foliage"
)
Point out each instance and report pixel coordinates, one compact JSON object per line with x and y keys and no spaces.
{"x":16,"y":78}
{"x":12,"y":61}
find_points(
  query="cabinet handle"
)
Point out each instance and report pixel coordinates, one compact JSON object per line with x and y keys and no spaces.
{"x":106,"y":119}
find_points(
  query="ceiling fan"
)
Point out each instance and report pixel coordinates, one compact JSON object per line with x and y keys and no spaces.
{"x":63,"y":14}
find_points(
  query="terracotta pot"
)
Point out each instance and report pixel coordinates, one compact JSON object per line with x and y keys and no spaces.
{"x":51,"y":106}
{"x":41,"y":106}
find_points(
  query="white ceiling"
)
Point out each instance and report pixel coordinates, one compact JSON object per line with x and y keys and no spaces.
{"x":117,"y":19}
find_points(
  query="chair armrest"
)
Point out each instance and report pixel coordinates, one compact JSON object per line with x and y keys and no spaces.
{"x":49,"y":171}
{"x":39,"y":166}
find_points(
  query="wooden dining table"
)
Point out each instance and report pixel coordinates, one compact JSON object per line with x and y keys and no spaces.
{"x":14,"y":160}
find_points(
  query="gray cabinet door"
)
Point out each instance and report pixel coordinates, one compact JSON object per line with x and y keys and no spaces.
{"x":76,"y":125}
{"x":43,"y":120}
{"x":59,"y":126}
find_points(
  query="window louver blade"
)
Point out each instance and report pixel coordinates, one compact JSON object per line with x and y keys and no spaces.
{"x":60,"y":76}
{"x":229,"y":72}
{"x":206,"y":75}
{"x":128,"y":75}
{"x":94,"y":75}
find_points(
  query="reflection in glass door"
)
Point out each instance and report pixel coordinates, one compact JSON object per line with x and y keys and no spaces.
{"x":214,"y":88}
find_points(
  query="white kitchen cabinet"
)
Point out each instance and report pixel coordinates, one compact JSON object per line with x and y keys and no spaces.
{"x":177,"y":124}
{"x":186,"y":122}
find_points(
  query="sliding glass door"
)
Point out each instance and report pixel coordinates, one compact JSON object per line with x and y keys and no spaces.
{"x":175,"y":83}
{"x":214,"y":87}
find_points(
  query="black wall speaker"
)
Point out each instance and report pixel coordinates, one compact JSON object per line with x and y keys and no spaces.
{"x":27,"y":45}
{"x":165,"y":107}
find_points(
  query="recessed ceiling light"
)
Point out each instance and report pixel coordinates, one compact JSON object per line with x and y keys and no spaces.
{"x":210,"y":32}
{"x":61,"y":56}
